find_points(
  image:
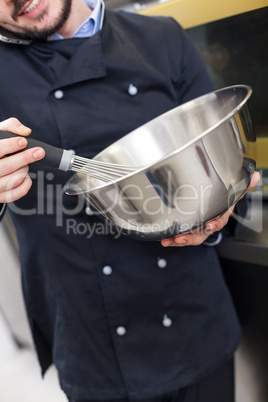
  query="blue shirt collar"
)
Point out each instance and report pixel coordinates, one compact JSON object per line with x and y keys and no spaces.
{"x":92,"y":24}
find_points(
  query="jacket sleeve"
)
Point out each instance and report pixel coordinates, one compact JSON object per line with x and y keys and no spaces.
{"x":194,"y":80}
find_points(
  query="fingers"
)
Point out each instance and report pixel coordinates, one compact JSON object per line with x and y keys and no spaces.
{"x":218,"y":223}
{"x":13,"y":180}
{"x":18,"y":192}
{"x":12,"y":145}
{"x":15,"y":126}
{"x":198,"y":236}
{"x":255,"y":178}
{"x":14,"y":161}
{"x":187,"y":239}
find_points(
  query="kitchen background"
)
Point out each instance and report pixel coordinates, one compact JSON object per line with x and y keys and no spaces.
{"x":232,"y":39}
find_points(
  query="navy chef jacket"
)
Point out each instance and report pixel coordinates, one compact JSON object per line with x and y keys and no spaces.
{"x":118,"y":317}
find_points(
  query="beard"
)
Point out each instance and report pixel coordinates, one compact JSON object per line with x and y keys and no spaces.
{"x":56,"y":24}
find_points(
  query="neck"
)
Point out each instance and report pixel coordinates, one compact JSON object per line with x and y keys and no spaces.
{"x":79,"y":13}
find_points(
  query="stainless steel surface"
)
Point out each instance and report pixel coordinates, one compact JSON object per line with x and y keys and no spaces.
{"x":198,"y":160}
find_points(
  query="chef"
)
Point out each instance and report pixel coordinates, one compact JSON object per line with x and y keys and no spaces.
{"x":121,"y":319}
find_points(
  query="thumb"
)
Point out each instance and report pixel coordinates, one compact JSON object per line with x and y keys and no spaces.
{"x":256,"y":177}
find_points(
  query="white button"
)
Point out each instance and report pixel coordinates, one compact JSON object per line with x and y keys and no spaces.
{"x":167,"y":322}
{"x":121,"y":331}
{"x":73,"y":151}
{"x":132,"y":90}
{"x":89,"y":211}
{"x":162,"y":263}
{"x":49,"y":176}
{"x":107,"y":270}
{"x":59,"y":94}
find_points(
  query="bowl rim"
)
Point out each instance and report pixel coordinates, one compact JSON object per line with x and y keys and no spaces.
{"x":248,"y":93}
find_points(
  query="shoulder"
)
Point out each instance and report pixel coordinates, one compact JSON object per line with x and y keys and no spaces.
{"x":138,"y":24}
{"x":162,"y":36}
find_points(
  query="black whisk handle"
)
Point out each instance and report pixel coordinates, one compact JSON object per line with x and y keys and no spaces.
{"x":55,"y":157}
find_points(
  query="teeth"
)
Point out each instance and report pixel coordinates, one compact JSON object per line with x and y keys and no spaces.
{"x":33,"y":4}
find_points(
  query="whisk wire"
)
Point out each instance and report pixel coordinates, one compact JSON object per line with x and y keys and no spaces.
{"x":104,"y":171}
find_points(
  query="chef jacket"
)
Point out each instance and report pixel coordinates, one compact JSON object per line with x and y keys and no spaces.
{"x":117,"y":316}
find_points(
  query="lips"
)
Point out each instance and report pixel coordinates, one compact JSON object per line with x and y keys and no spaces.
{"x":29,"y":6}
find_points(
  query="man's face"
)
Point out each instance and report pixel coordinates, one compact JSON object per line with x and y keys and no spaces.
{"x":35,"y":18}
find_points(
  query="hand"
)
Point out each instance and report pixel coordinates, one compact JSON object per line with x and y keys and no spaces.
{"x":14,"y":179}
{"x":198,"y":236}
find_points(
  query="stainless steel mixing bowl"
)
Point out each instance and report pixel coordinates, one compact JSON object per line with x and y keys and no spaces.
{"x":193,"y":163}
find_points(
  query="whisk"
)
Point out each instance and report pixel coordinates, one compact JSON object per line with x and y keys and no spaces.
{"x":104,"y":171}
{"x":66,"y":160}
